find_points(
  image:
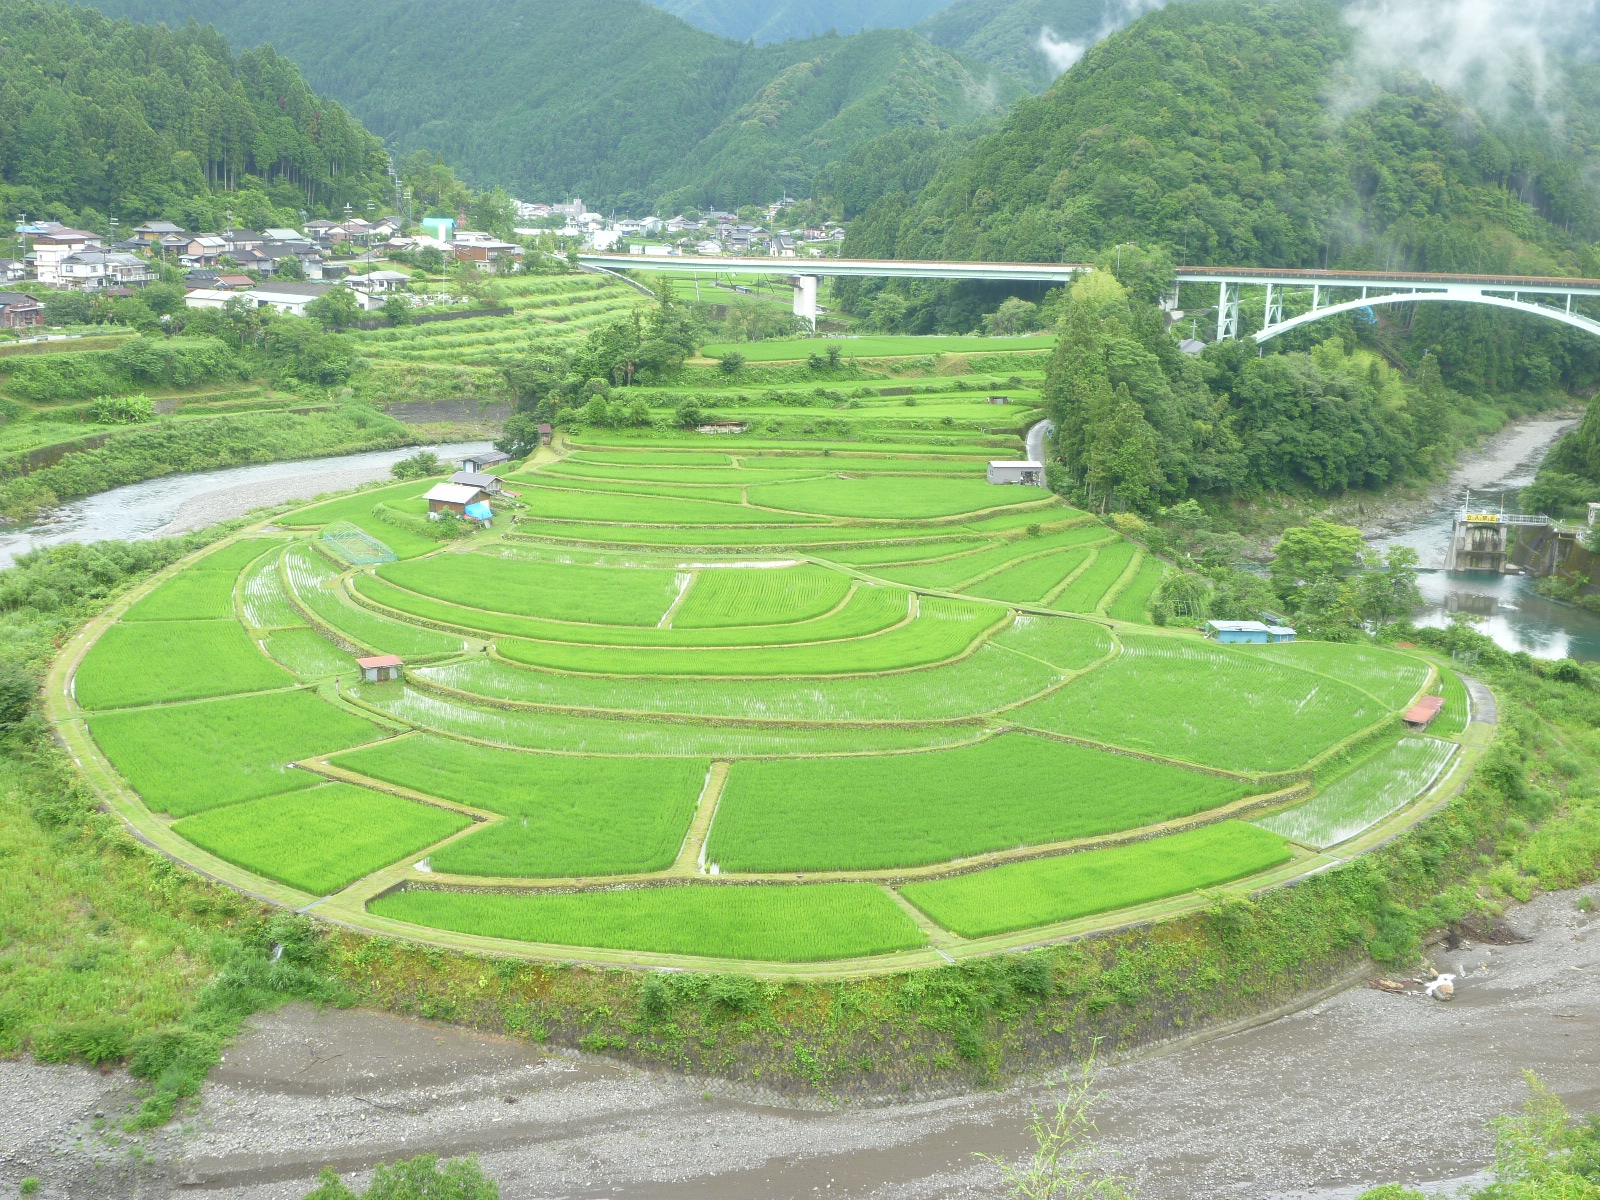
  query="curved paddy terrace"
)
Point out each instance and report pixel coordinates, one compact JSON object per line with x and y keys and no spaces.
{"x":784,"y":712}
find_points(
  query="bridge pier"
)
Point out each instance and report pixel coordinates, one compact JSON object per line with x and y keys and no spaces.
{"x":805,"y":298}
{"x":1227,"y":311}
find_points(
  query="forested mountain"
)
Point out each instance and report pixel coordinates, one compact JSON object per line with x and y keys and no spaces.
{"x":613,"y":100}
{"x":1030,"y":40}
{"x":1210,"y":129}
{"x":1033,"y":41}
{"x":101,"y":117}
{"x":1236,"y":132}
{"x":768,"y":21}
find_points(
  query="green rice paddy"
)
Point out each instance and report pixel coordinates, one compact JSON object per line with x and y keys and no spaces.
{"x":321,"y":839}
{"x":1009,"y":792}
{"x":152,"y":662}
{"x":192,"y":596}
{"x":767,"y":924}
{"x":564,"y":815}
{"x":867,"y":610}
{"x":186,"y":758}
{"x":1360,"y":799}
{"x":683,"y":675}
{"x":1188,"y":700}
{"x":942,"y":630}
{"x":1043,"y":891}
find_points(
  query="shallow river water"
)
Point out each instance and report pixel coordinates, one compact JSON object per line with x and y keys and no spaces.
{"x":1508,"y":608}
{"x":179,"y":503}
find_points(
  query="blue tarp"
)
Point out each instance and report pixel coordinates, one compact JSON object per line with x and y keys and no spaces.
{"x":480,"y":511}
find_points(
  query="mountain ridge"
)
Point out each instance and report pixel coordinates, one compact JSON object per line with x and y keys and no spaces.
{"x":103,"y":117}
{"x":1209,"y":129}
{"x":529,"y":95}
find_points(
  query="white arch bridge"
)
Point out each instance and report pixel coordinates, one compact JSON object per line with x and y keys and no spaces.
{"x":1287,"y":299}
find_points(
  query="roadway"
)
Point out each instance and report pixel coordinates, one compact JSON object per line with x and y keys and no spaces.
{"x":1396,"y":287}
{"x":1035,"y":440}
{"x":879,"y":268}
{"x":873,"y":268}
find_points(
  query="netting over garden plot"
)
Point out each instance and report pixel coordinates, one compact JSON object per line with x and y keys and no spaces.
{"x":355,"y":545}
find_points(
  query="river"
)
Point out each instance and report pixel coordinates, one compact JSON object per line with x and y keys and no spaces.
{"x":1507,"y":607}
{"x":176,"y":504}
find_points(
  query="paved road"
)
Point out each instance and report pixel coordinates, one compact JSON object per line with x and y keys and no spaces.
{"x":1035,"y":440}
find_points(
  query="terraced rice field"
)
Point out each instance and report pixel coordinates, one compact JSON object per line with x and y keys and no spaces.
{"x":1457,"y":710}
{"x":1043,"y":891}
{"x":1183,"y":699}
{"x":579,"y":733}
{"x":866,"y":610}
{"x":564,"y":815}
{"x":1133,"y":602}
{"x":186,"y":758}
{"x":320,"y":839}
{"x":942,"y":630}
{"x":684,"y":676}
{"x":759,"y":596}
{"x":153,"y":662}
{"x":766,"y":924}
{"x":562,"y":592}
{"x":313,"y":583}
{"x":1388,"y":675}
{"x":1360,"y":799}
{"x":1030,"y":581}
{"x":1009,"y":792}
{"x":193,"y":596}
{"x":1087,"y":590}
{"x":308,"y":654}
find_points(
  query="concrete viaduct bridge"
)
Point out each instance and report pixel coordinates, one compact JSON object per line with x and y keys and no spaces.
{"x":1328,"y":292}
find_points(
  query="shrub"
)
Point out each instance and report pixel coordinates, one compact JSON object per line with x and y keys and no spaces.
{"x":122,"y":410}
{"x":418,"y":466}
{"x":444,"y":528}
{"x":419,"y":1178}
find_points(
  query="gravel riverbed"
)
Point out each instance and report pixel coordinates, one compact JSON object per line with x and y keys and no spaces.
{"x":1358,"y":1089}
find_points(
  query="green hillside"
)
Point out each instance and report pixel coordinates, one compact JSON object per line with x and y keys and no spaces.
{"x":768,"y":21}
{"x":1206,"y":128}
{"x":615,"y":101}
{"x":100,"y":116}
{"x":1008,"y":34}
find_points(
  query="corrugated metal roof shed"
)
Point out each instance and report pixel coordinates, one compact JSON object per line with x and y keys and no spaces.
{"x":1420,"y":714}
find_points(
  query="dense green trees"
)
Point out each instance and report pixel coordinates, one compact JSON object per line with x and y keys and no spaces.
{"x":1136,"y":422}
{"x":103,"y":118}
{"x":578,"y":387}
{"x":614,"y":100}
{"x":1322,"y":577}
{"x":1141,"y":424}
{"x":1570,"y":476}
{"x":1209,"y":129}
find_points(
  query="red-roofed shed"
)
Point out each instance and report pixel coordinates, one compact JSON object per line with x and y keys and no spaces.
{"x":380,"y":667}
{"x":1421,"y":714}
